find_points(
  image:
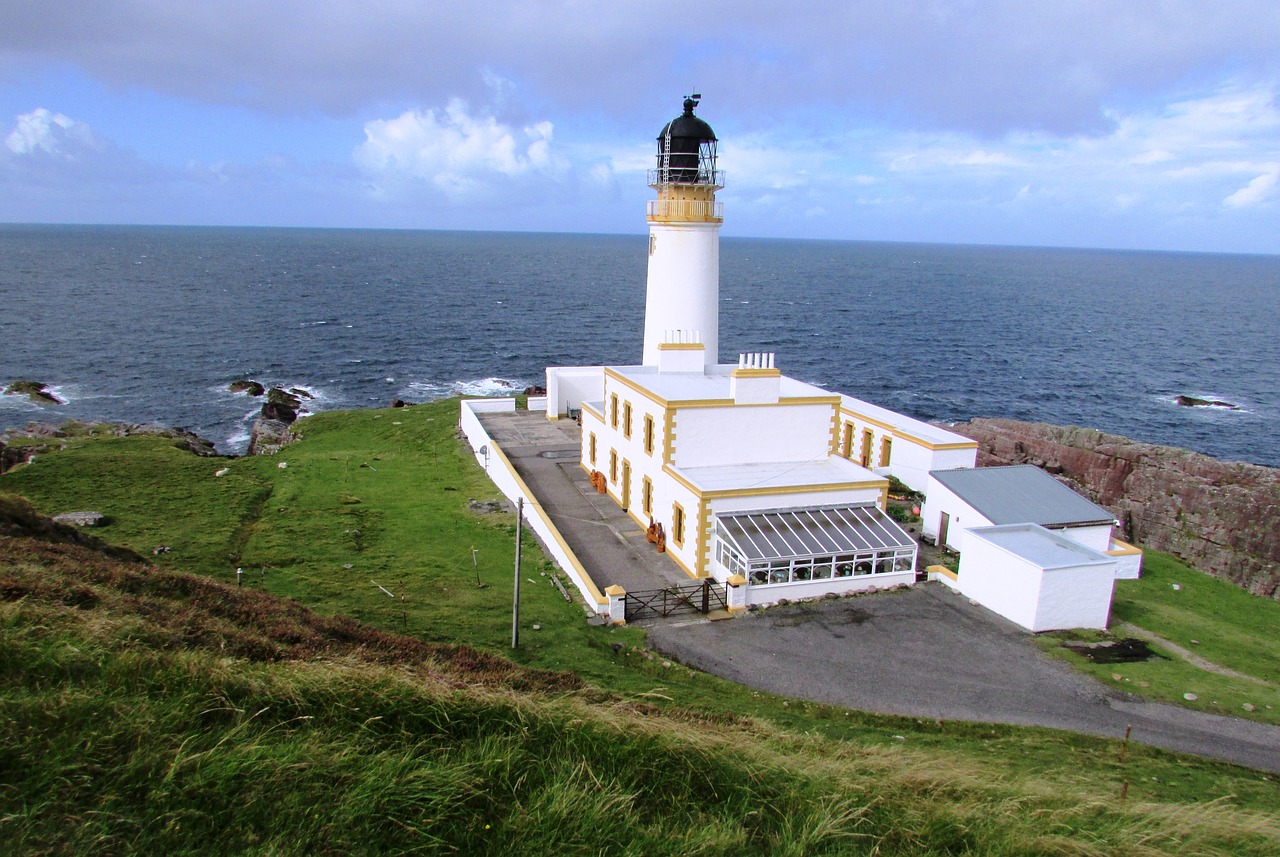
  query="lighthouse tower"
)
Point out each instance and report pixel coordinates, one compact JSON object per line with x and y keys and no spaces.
{"x":683,"y":292}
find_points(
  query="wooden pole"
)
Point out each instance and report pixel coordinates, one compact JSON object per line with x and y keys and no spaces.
{"x":515,"y":598}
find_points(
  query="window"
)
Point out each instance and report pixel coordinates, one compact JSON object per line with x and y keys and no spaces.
{"x":646,"y":496}
{"x":846,"y":443}
{"x":648,"y":434}
{"x":613,"y":465}
{"x":626,"y":419}
{"x":886,"y":448}
{"x":613,"y":410}
{"x":866,"y":448}
{"x":591,"y":449}
{"x":677,"y":525}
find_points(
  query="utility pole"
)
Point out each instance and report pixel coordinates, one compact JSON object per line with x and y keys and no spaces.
{"x":515,"y":599}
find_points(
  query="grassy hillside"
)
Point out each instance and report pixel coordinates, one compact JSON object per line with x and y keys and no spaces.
{"x":1213,"y":641}
{"x":157,"y":712}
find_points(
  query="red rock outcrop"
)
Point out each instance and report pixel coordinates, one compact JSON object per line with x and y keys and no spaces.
{"x":1223,"y":517}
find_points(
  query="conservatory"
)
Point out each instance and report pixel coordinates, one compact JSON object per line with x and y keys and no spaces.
{"x":784,"y":546}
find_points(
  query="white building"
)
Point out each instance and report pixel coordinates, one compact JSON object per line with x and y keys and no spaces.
{"x":741,"y":473}
{"x":1031,"y":549}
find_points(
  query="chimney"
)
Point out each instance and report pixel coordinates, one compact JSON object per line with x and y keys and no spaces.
{"x":755,"y":381}
{"x":681,"y":351}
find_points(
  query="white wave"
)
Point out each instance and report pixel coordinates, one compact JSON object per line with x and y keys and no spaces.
{"x":487,"y":387}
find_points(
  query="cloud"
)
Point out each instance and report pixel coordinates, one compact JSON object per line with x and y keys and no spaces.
{"x":455,"y":151}
{"x":1255,"y":191}
{"x":45,"y":132}
{"x":986,"y":68}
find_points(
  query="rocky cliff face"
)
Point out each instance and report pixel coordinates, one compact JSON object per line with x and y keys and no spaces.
{"x":1222,"y":517}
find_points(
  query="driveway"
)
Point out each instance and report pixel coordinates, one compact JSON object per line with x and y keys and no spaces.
{"x":928,"y":652}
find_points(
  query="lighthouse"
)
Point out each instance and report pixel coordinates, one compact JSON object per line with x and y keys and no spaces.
{"x":682,"y":302}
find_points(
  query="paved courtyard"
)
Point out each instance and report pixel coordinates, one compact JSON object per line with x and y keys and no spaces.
{"x":928,"y":652}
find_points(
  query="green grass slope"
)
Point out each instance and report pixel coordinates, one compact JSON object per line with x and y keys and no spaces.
{"x":154,"y":712}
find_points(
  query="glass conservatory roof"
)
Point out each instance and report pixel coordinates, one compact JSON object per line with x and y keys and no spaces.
{"x":786,"y":533}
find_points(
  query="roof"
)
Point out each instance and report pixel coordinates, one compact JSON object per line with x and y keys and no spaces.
{"x":1037,"y":545}
{"x":832,"y":471}
{"x":786,"y":533}
{"x":711,"y":383}
{"x":1022,"y":493}
{"x":688,"y":125}
{"x":904,"y":424}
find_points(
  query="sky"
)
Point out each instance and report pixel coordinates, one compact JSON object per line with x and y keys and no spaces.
{"x":1145,"y":124}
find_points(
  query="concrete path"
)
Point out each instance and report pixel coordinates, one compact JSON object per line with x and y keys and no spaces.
{"x":928,"y":652}
{"x":608,"y":543}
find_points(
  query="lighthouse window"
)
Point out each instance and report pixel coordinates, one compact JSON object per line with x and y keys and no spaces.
{"x":592,"y":448}
{"x":677,"y":525}
{"x":613,"y":465}
{"x":626,"y":420}
{"x":613,"y":410}
{"x":648,"y":434}
{"x":646,"y":496}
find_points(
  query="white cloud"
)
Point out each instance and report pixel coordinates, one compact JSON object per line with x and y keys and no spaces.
{"x":1255,"y":191}
{"x":49,"y":133}
{"x":457,"y":152}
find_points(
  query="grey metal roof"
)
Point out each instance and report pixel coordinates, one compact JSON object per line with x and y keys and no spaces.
{"x":1021,"y":494}
{"x":790,"y":533}
{"x":1040,"y":546}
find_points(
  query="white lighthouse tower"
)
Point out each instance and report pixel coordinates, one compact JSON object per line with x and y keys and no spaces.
{"x":683,"y":291}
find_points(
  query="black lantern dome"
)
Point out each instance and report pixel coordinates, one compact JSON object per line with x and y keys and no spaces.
{"x":687,"y":150}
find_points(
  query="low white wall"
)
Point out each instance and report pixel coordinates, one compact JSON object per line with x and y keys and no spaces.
{"x":1128,"y":559}
{"x":504,"y":476}
{"x":569,"y":386}
{"x":1097,"y":537}
{"x":537,"y":403}
{"x":771,"y":594}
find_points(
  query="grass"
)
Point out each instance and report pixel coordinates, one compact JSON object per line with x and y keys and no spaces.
{"x":1210,"y":618}
{"x":627,"y":754}
{"x":157,"y":712}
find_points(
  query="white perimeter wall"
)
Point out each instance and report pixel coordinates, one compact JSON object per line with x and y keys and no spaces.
{"x":569,"y":386}
{"x":762,"y":595}
{"x":710,"y":437}
{"x":504,"y":476}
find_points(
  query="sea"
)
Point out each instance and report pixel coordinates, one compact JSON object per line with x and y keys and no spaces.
{"x":151,"y":325}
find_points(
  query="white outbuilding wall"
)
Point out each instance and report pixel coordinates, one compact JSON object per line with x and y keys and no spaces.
{"x":1036,"y":578}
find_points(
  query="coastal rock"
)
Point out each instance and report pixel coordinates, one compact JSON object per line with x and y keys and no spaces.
{"x":185,"y":439}
{"x":1194,"y":402}
{"x":12,"y":456}
{"x":535,"y":390}
{"x":81,"y":519}
{"x":277,"y":396}
{"x":1222,"y":517}
{"x":252,"y":388}
{"x":399,"y":403}
{"x":33,"y":390}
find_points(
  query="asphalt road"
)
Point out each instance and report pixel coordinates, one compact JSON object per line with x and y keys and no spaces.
{"x":928,"y":652}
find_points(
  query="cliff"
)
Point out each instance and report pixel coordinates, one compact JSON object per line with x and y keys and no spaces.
{"x":1222,"y":517}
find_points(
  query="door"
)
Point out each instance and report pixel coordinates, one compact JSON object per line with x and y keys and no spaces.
{"x":942,"y":529}
{"x":626,"y":485}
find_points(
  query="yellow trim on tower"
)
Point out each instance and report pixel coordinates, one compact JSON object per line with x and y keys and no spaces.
{"x":682,"y":346}
{"x":756,"y":373}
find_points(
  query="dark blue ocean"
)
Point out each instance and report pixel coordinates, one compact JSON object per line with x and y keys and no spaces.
{"x":150,"y":324}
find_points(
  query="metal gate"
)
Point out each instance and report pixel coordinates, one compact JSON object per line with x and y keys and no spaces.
{"x":702,"y":596}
